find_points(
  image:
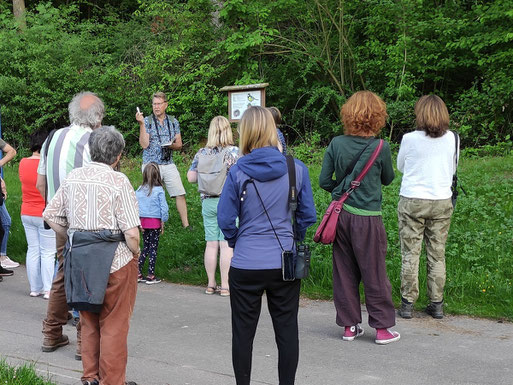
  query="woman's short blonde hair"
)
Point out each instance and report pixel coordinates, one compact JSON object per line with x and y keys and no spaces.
{"x":257,"y":129}
{"x":219,"y":133}
{"x":432,"y":116}
{"x":363,"y":114}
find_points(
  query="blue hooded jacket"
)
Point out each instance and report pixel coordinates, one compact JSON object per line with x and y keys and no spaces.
{"x":255,"y":245}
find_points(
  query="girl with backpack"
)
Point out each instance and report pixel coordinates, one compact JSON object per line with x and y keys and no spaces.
{"x":209,"y":169}
{"x":153,"y":211}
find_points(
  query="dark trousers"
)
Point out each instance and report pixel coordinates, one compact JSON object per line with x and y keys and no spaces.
{"x":246,"y":290}
{"x":359,"y":253}
{"x":150,"y":246}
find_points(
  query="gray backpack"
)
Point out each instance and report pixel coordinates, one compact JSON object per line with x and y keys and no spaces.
{"x":212,"y":172}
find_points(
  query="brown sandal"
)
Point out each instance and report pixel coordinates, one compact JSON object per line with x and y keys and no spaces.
{"x":224,"y":292}
{"x":210,"y":290}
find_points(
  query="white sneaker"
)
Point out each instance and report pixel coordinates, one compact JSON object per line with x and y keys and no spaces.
{"x":46,"y":295}
{"x":8,"y":263}
{"x":35,"y":294}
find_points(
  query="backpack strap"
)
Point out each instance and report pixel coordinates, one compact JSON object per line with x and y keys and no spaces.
{"x":45,"y":157}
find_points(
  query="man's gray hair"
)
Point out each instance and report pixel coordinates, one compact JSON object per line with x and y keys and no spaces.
{"x":90,"y":116}
{"x":105,"y":144}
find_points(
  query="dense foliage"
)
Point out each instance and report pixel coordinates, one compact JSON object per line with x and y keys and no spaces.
{"x":313,"y":53}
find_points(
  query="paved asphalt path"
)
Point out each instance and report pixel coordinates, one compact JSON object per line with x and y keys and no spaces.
{"x":181,"y":336}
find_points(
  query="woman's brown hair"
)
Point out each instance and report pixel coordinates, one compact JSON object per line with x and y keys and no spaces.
{"x":151,"y":176}
{"x":363,"y":114}
{"x":276,"y":114}
{"x":432,"y":116}
{"x":257,"y":129}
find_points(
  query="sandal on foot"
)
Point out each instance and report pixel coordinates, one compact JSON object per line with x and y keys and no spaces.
{"x":210,"y":290}
{"x":223,"y":292}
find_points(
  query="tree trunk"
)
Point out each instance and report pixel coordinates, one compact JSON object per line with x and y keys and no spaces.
{"x":18,"y":9}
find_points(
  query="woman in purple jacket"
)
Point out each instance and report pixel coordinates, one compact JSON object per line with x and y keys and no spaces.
{"x":256,"y":263}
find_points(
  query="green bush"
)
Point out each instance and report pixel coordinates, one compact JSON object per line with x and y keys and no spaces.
{"x":314,"y":54}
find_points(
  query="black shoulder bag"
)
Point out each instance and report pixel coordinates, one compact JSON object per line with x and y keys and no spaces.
{"x":303,"y":254}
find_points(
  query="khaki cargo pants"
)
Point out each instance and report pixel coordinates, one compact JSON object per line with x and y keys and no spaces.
{"x":429,"y":221}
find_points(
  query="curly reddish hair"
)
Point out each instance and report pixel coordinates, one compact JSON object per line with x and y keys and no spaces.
{"x":363,"y":114}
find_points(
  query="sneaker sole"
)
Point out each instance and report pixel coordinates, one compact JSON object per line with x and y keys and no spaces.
{"x":386,"y":342}
{"x":6,"y":274}
{"x":406,"y":316}
{"x":49,"y":349}
{"x":152,"y":282}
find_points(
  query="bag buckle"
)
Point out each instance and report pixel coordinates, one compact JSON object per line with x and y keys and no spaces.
{"x":355,"y":184}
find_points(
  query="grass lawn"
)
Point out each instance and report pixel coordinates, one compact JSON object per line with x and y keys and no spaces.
{"x":479,"y":255}
{"x":21,"y":375}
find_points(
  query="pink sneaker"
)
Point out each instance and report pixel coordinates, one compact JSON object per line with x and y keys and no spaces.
{"x":352,"y":332}
{"x":385,"y":336}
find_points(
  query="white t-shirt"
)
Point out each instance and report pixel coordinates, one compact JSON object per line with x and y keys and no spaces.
{"x":427,"y":164}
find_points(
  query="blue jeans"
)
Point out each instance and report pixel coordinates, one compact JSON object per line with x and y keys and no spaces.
{"x":5,"y":218}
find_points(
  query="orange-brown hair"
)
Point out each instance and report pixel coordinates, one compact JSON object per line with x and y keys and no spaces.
{"x":363,"y":114}
{"x":432,"y":116}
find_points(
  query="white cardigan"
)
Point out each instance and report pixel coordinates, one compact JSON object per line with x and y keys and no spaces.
{"x":427,"y":164}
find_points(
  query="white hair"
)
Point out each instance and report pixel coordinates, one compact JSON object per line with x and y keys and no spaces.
{"x":92,"y":116}
{"x":105,"y":144}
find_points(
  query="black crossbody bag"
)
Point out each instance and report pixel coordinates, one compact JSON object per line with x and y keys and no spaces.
{"x":292,"y":268}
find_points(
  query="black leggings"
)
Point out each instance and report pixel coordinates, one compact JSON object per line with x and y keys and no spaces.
{"x":246,"y":290}
{"x":150,"y":246}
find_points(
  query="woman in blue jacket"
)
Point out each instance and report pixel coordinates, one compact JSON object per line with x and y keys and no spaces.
{"x":256,"y":263}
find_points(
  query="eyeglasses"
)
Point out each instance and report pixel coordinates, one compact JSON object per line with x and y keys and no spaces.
{"x":158,"y":104}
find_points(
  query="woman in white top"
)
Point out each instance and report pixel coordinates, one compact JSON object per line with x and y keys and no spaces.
{"x":427,"y":159}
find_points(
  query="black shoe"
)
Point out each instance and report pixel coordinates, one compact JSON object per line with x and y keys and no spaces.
{"x":436,"y":309}
{"x":141,"y":278}
{"x":406,"y":310}
{"x":93,"y":382}
{"x":130,"y":383}
{"x":4,"y":272}
{"x":152,"y":280}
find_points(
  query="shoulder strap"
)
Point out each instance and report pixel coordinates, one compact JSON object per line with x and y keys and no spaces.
{"x":244,"y":192}
{"x":45,"y":155}
{"x":356,"y":183}
{"x":291,"y":166}
{"x":456,"y":146}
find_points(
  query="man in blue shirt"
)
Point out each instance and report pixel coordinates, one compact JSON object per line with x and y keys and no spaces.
{"x":159,"y":136}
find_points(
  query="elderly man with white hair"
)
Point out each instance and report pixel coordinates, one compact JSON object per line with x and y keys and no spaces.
{"x":64,"y":150}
